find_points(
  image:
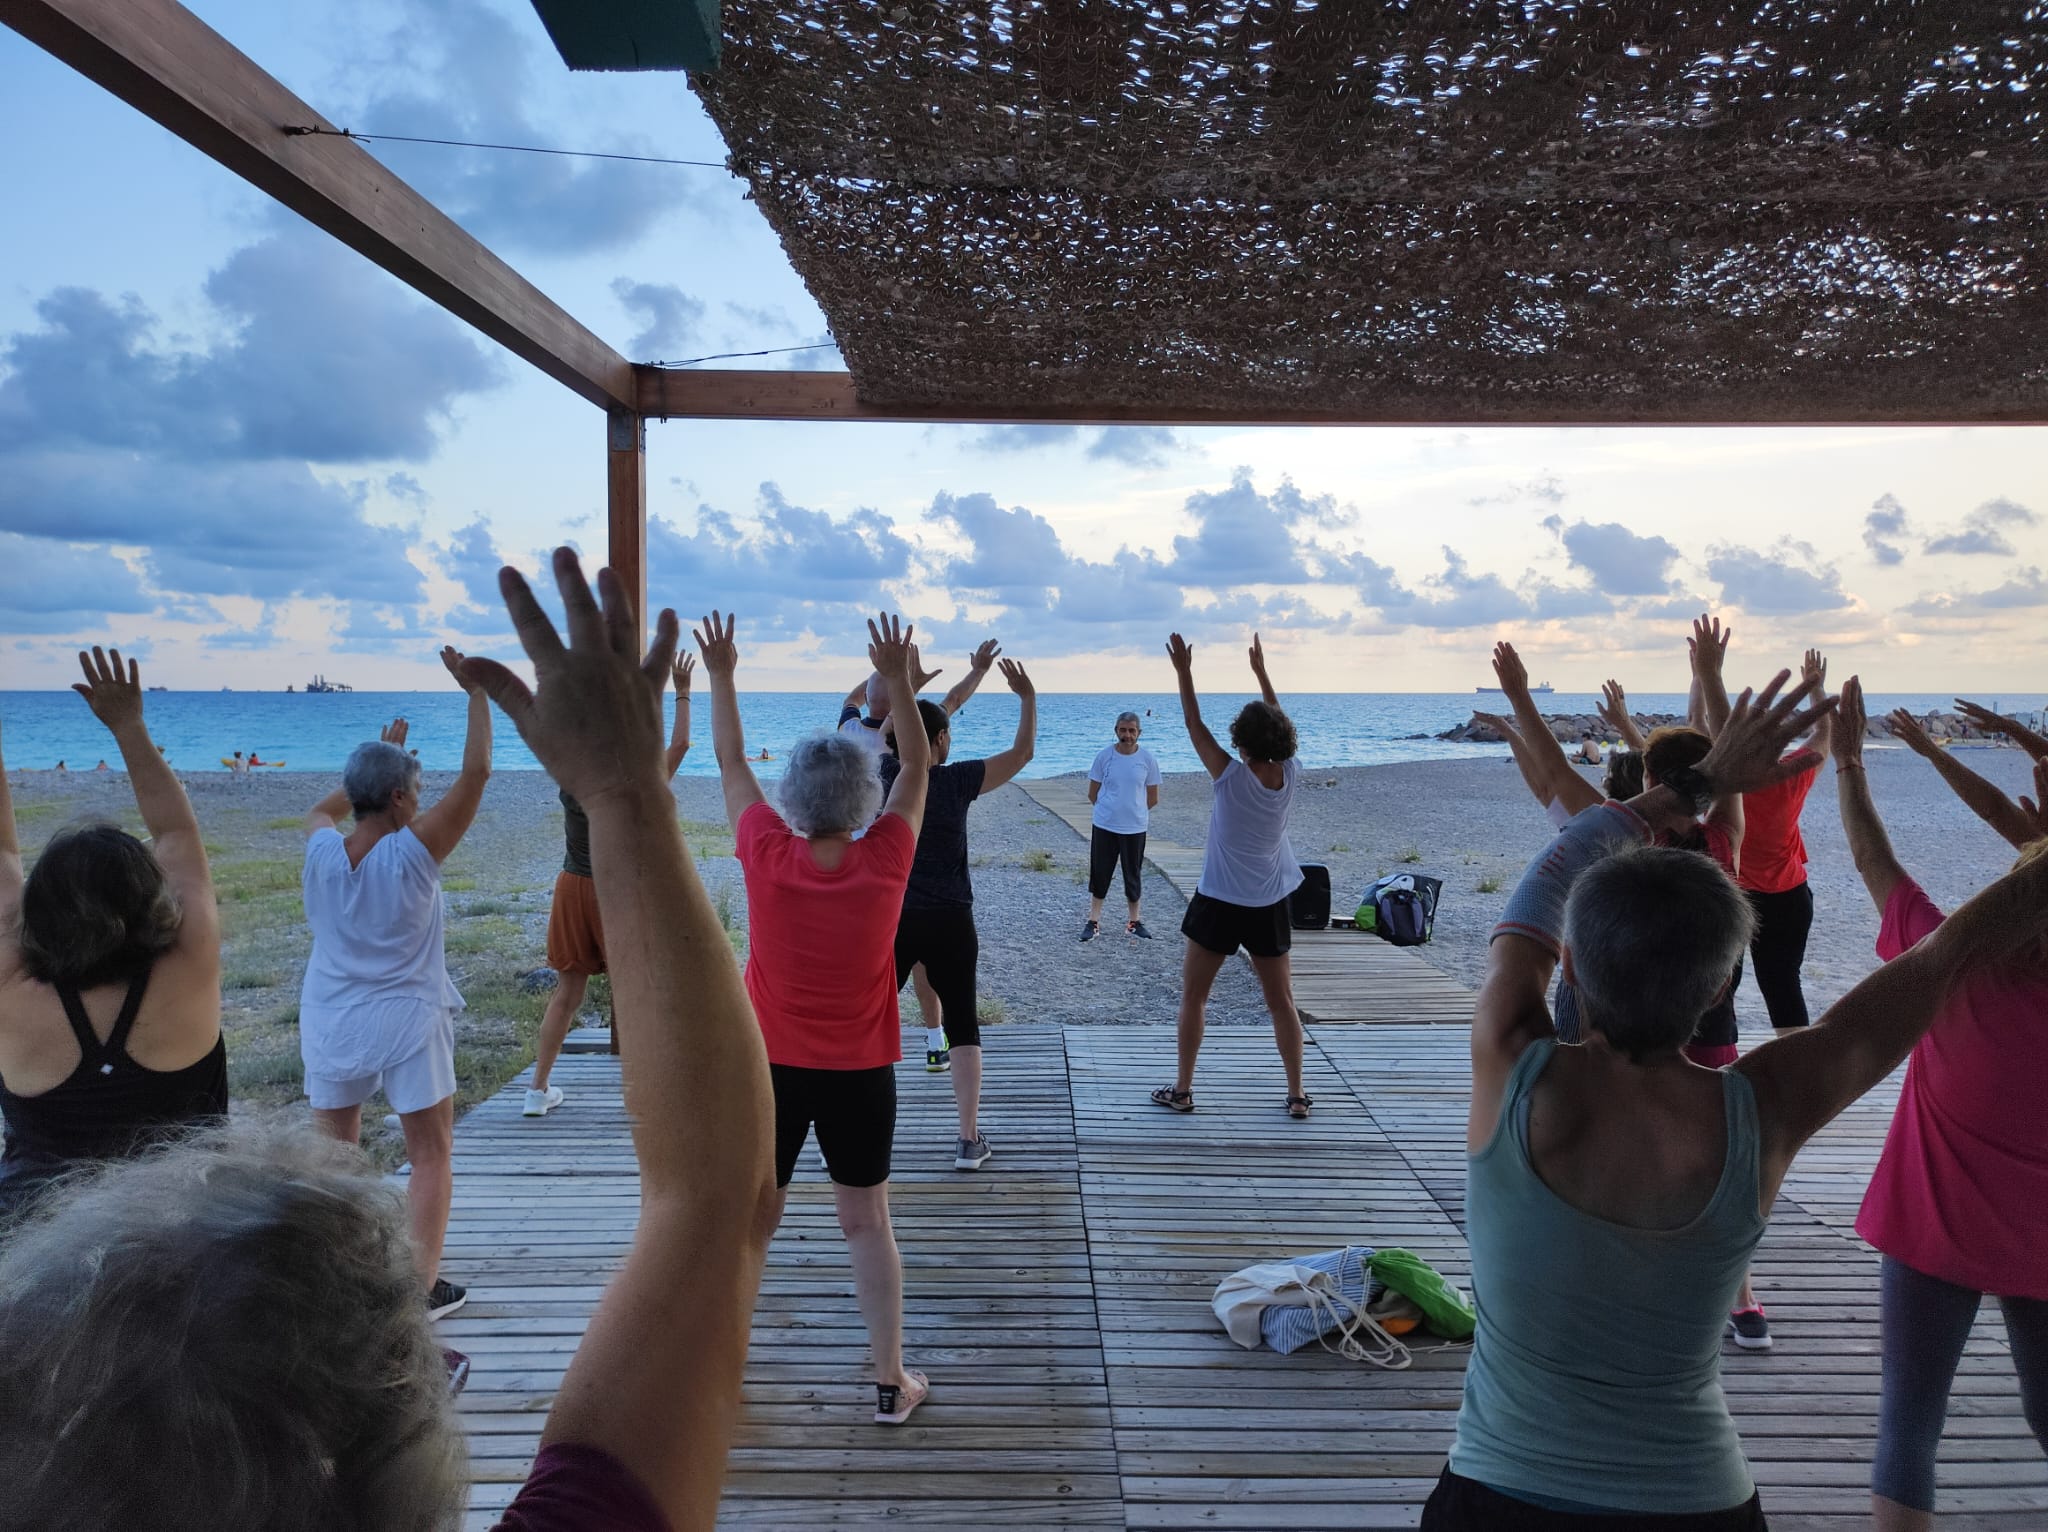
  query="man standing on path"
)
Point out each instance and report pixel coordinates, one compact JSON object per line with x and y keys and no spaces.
{"x":575,"y":935}
{"x":1123,"y":785}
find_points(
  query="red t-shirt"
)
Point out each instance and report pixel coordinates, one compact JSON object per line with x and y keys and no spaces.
{"x":1961,"y":1190}
{"x":573,"y":1488}
{"x":1773,"y":850}
{"x":821,"y":943}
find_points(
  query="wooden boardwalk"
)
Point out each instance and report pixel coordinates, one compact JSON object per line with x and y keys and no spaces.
{"x":1059,"y":1298}
{"x":1339,"y":975}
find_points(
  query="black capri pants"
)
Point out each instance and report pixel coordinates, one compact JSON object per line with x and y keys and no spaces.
{"x":945,"y":941}
{"x":1778,"y":951}
{"x":1106,"y":848}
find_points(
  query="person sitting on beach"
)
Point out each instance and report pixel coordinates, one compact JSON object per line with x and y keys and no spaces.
{"x":1958,"y":1206}
{"x":1589,"y":749}
{"x":1617,"y":1192}
{"x":109,"y":971}
{"x":1248,"y":871}
{"x":261,"y":1281}
{"x":376,"y":1008}
{"x":936,"y":928}
{"x":822,"y":907}
{"x":102,"y":765}
{"x":1123,"y":786}
{"x":575,"y":933}
{"x":62,"y":767}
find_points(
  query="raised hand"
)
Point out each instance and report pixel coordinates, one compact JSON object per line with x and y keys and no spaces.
{"x":1257,"y":655}
{"x":1815,"y":665}
{"x":453,"y":657}
{"x":1748,"y":752}
{"x":1850,"y":720}
{"x":1613,"y":707}
{"x":1509,"y":670}
{"x":113,"y":694}
{"x":1498,"y":724}
{"x":983,"y":656}
{"x":1019,"y":682}
{"x":721,"y":654}
{"x":685,"y":669}
{"x":394,"y":732}
{"x":1708,"y":644}
{"x":890,"y":650}
{"x":2034,"y":810}
{"x":1984,"y":718}
{"x":1181,"y":653}
{"x":593,"y":717}
{"x":920,"y":678}
{"x":1907,"y":730}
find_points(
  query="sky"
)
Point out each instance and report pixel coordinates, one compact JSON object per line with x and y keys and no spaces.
{"x":239,"y":450}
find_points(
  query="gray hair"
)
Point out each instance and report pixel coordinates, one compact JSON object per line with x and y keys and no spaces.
{"x":1654,"y":933}
{"x":1124,"y":718}
{"x":226,"y":1335}
{"x":376,"y":769}
{"x":830,"y":783}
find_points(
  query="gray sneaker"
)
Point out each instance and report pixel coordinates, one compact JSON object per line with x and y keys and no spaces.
{"x":1752,"y":1330}
{"x":1091,"y":930}
{"x":973,"y":1152}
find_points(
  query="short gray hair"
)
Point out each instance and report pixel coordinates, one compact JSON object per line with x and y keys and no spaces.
{"x":376,"y":769}
{"x":1124,"y":718}
{"x":830,"y":783}
{"x":1655,"y":934}
{"x":233,"y":1323}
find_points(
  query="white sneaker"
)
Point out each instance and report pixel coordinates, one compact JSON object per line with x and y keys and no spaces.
{"x":541,"y":1102}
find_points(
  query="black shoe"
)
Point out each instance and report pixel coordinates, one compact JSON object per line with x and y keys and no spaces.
{"x":1137,"y":928}
{"x":937,"y":1060}
{"x":1091,"y":930}
{"x":444,"y":1298}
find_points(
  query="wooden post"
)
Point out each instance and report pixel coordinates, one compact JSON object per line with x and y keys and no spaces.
{"x":626,"y":506}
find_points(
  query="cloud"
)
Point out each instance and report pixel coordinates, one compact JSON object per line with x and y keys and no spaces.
{"x":2027,"y":588}
{"x":1620,"y":562}
{"x":1784,"y":580}
{"x":1243,"y":537}
{"x":1545,"y":488}
{"x":1021,"y":438}
{"x":50,"y":587}
{"x":1137,"y":446}
{"x":668,"y":316}
{"x":1981,"y":529}
{"x":1887,"y":520}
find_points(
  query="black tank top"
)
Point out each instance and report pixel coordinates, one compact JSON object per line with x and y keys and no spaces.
{"x":109,"y":1107}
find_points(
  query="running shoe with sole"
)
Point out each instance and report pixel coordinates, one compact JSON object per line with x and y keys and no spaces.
{"x":937,"y":1060}
{"x":1137,"y":928}
{"x":541,"y":1102}
{"x":1752,"y":1330}
{"x":893,"y":1405}
{"x":444,"y":1298}
{"x":1091,"y":930}
{"x":973,"y":1153}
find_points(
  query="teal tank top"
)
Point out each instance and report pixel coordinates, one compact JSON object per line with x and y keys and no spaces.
{"x":1595,"y":1377}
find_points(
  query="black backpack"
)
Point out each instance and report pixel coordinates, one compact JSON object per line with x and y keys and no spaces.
{"x":1401,"y":908}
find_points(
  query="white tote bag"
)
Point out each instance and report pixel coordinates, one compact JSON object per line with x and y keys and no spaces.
{"x":1242,"y":1298}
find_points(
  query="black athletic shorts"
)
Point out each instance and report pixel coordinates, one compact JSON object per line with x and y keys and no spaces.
{"x":1262,"y":930}
{"x":945,"y":941}
{"x":854,"y":1111}
{"x":1459,"y":1504}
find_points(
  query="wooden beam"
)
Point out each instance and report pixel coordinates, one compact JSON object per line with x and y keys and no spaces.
{"x":734,"y":394}
{"x":626,"y":507}
{"x":169,"y":65}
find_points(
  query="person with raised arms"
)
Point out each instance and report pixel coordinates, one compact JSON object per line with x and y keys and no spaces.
{"x":1248,"y":870}
{"x":1123,"y":787}
{"x":825,"y":881}
{"x":1617,"y":1190}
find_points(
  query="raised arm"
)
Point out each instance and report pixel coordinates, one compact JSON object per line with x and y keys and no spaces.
{"x":441,"y":828}
{"x":1215,"y":759}
{"x":1614,"y":713}
{"x":1532,"y":775}
{"x":1257,"y":655}
{"x":679,"y":741}
{"x":115,"y":696}
{"x":1708,"y":647}
{"x":894,"y":657}
{"x":656,"y":1380}
{"x":1982,"y":797}
{"x":1546,"y":756}
{"x":978,"y":665}
{"x":728,"y":742}
{"x":1816,"y":664}
{"x":1004,"y":765}
{"x":1869,"y":847}
{"x":2034,"y":744}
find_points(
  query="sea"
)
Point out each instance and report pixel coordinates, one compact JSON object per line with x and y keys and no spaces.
{"x":315,"y":731}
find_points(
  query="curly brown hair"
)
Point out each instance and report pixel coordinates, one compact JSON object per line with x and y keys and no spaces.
{"x":1263,"y":732}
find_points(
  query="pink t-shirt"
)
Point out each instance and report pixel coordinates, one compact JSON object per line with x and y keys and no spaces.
{"x":821,"y":943}
{"x":581,"y":1489}
{"x":1961,"y":1191}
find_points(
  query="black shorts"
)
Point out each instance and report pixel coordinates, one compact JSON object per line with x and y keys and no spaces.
{"x":1459,"y":1504}
{"x":1107,"y":848}
{"x":854,"y":1111}
{"x":1262,"y":930}
{"x":945,"y":941}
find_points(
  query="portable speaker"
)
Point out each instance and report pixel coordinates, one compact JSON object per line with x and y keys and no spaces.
{"x":1308,"y":907}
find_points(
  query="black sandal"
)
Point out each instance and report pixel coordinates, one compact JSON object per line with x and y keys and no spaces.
{"x":1174,"y":1100}
{"x":1297,"y":1106}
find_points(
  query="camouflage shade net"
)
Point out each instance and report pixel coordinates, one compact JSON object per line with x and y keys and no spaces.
{"x":1649,"y":211}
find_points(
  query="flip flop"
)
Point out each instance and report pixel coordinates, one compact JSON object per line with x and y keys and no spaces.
{"x":1174,"y":1100}
{"x":894,"y":1405}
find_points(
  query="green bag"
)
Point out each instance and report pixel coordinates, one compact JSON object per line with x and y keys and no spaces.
{"x":1445,"y":1309}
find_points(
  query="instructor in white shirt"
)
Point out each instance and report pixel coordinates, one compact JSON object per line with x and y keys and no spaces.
{"x":1123,"y":784}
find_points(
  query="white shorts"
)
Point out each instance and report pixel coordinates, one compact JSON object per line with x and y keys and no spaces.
{"x":413,"y":1085}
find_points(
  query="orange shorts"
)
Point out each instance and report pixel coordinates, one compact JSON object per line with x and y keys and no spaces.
{"x":575,"y":937}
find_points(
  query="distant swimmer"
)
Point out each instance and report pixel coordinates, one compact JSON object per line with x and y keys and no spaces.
{"x":62,"y":767}
{"x":102,"y":766}
{"x":763,"y":756}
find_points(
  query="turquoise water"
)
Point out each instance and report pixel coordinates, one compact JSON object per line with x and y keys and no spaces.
{"x":317,"y":732}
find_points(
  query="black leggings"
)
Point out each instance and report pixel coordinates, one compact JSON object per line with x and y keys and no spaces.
{"x":946,"y":943}
{"x":1105,"y":849}
{"x":1779,"y":950}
